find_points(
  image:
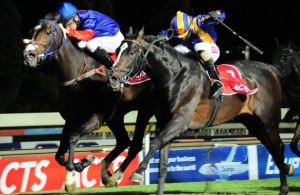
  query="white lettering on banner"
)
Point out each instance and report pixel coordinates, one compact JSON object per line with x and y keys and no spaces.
{"x":27,"y":166}
{"x":186,"y":159}
{"x":97,"y":162}
{"x":271,"y":168}
{"x":190,"y":167}
{"x":4,"y":188}
{"x":85,"y":181}
{"x":39,"y":174}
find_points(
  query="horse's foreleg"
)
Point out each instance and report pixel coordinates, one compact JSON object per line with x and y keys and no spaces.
{"x":135,"y":147}
{"x":163,"y":138}
{"x":163,"y":168}
{"x":276,"y":148}
{"x":295,"y":140}
{"x":70,"y":183}
{"x":123,"y":141}
{"x":60,"y":154}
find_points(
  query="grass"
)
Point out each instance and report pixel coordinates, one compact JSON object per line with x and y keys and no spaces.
{"x":253,"y":187}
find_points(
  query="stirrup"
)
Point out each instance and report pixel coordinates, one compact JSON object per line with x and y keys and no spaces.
{"x":216,"y":81}
{"x":216,"y":89}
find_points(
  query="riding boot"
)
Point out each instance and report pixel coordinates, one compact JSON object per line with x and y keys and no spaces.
{"x":103,"y":57}
{"x":216,"y":83}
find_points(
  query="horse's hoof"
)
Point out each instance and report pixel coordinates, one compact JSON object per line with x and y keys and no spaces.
{"x":90,"y":159}
{"x":136,"y":177}
{"x":111,"y":184}
{"x":70,"y":187}
{"x":291,"y":170}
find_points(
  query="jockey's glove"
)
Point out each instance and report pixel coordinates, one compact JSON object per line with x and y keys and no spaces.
{"x":214,"y":14}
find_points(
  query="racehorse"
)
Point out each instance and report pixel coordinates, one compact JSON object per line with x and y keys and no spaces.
{"x":86,"y":102}
{"x":287,"y":58}
{"x":184,"y":86}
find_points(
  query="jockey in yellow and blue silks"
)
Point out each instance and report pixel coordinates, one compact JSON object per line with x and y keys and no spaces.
{"x":199,"y":33}
{"x":96,"y":32}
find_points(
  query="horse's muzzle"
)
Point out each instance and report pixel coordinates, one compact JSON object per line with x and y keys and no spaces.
{"x":30,"y":55}
{"x":30,"y":59}
{"x":115,"y":83}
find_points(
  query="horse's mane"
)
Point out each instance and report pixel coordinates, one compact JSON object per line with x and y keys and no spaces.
{"x":170,"y":44}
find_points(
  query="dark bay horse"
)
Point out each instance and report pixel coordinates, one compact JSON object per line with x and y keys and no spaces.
{"x":287,"y":58}
{"x":184,"y":87}
{"x":86,"y":102}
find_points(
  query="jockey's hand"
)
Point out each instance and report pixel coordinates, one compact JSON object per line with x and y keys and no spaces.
{"x":214,"y":14}
{"x":63,"y":28}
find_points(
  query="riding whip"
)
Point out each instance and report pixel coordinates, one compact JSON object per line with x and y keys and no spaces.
{"x":247,"y":42}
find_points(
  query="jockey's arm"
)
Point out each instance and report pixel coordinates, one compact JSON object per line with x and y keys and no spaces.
{"x":82,"y":35}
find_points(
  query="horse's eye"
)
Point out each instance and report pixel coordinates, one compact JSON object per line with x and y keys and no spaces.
{"x":133,"y":51}
{"x":48,"y":32}
{"x":283,"y":59}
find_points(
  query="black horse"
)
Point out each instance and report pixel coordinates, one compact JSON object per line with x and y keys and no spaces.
{"x":86,"y":102}
{"x":287,"y":58}
{"x":184,"y":87}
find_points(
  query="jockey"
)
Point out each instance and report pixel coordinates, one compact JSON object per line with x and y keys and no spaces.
{"x":199,"y":33}
{"x":96,"y":32}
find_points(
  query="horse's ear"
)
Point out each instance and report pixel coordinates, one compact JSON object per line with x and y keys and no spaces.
{"x":140,"y":35}
{"x":276,"y":42}
{"x":130,"y":30}
{"x":53,"y":16}
{"x":289,"y":43}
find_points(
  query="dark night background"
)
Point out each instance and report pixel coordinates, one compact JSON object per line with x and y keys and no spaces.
{"x":36,"y":90}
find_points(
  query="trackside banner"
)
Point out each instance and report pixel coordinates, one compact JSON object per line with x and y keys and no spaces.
{"x":222,"y":163}
{"x":32,"y":174}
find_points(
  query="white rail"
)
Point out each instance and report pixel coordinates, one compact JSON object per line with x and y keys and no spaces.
{"x":54,"y":119}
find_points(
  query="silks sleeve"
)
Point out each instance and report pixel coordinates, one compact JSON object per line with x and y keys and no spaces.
{"x":82,"y":35}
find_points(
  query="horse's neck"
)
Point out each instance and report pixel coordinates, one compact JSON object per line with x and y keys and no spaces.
{"x":165,"y":66}
{"x":71,"y":61}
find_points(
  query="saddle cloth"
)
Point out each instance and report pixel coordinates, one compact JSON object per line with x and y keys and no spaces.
{"x":230,"y":77}
{"x":142,"y":77}
{"x":233,"y":81}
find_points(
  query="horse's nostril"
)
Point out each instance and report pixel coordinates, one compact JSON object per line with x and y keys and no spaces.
{"x":30,"y":55}
{"x":113,"y":79}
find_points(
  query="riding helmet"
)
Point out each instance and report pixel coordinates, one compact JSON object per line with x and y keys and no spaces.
{"x":181,"y":23}
{"x":67,"y":11}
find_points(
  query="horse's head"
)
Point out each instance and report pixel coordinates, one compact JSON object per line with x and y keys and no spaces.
{"x":287,"y":58}
{"x":130,"y":60}
{"x":133,"y":55}
{"x":47,"y":39}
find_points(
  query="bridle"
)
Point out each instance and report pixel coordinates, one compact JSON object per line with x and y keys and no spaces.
{"x":54,"y":40}
{"x":129,"y":72}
